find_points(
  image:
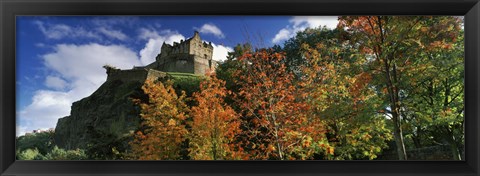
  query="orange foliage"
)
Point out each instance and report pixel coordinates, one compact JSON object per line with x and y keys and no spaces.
{"x":162,"y":128}
{"x":277,"y":121}
{"x":214,"y":124}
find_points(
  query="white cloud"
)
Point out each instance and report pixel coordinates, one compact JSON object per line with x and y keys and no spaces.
{"x":315,"y":21}
{"x":154,"y":43}
{"x":210,"y":28}
{"x":84,"y":62}
{"x":55,"y":82}
{"x":79,"y":65}
{"x":220,"y":52}
{"x":59,"y":31}
{"x":115,"y":34}
{"x":283,"y":34}
{"x":300,"y":23}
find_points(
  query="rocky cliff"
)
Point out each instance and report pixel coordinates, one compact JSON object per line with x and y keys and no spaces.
{"x":107,"y":117}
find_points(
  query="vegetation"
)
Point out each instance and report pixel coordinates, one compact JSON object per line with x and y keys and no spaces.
{"x":40,"y":146}
{"x":372,"y":86}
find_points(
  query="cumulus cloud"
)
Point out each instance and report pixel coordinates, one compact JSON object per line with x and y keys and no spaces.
{"x":154,"y":42}
{"x":59,"y":31}
{"x":300,"y":23}
{"x":220,"y":52}
{"x":283,"y":34}
{"x":115,"y":34}
{"x":210,"y":28}
{"x":81,"y":67}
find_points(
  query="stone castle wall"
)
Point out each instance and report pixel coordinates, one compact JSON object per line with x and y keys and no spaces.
{"x":139,"y":75}
{"x":128,"y":75}
{"x":176,"y":63}
{"x":201,"y":66}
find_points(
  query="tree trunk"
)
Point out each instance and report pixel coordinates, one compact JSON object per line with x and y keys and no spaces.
{"x":395,"y":107}
{"x":455,"y":152}
{"x":397,"y":132}
{"x":453,"y":146}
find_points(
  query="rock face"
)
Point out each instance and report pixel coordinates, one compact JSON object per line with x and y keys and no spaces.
{"x":109,"y":111}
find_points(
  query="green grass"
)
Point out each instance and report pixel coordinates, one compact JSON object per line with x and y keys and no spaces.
{"x":187,"y":82}
{"x":179,"y":74}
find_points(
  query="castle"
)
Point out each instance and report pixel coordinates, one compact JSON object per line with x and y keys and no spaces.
{"x":189,"y":56}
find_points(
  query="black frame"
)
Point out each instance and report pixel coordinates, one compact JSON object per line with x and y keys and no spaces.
{"x":11,"y":8}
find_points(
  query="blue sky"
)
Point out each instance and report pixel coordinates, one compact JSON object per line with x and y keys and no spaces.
{"x":60,"y":58}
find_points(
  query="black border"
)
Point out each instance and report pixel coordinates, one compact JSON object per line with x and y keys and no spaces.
{"x":10,"y":8}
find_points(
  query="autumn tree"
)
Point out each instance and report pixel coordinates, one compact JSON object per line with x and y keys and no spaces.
{"x":391,"y":44}
{"x":340,"y":95}
{"x":276,"y":122}
{"x":214,"y":124}
{"x":162,"y":130}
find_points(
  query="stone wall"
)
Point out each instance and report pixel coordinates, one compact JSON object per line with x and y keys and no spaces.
{"x":128,"y":75}
{"x":138,"y":75}
{"x":202,"y":66}
{"x":439,"y":152}
{"x":176,"y":63}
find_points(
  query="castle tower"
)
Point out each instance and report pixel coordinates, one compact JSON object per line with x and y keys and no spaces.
{"x":190,"y":56}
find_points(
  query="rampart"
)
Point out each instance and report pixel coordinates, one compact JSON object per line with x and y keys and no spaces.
{"x":138,"y":74}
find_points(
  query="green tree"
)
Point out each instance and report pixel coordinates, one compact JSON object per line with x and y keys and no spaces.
{"x":338,"y":85}
{"x":434,"y":106}
{"x":42,"y":141}
{"x":61,"y":154}
{"x":29,"y":154}
{"x":391,"y":45}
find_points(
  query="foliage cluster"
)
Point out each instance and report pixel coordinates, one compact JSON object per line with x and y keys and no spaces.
{"x":341,"y":93}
